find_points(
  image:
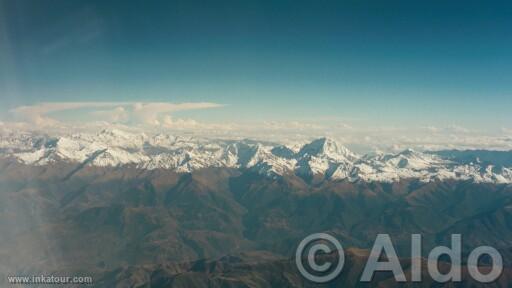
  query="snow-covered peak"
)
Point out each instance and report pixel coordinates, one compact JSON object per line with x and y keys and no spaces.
{"x":118,"y":138}
{"x":328,"y":148}
{"x":407,"y":159}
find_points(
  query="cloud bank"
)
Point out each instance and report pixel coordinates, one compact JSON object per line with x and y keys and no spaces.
{"x":133,"y":113}
{"x":151,"y":117}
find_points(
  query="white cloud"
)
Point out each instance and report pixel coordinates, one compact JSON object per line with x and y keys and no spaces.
{"x":451,"y":129}
{"x":457,"y":129}
{"x":138,"y":113}
{"x":38,"y":113}
{"x":116,"y":115}
{"x":153,"y":113}
{"x":291,"y":125}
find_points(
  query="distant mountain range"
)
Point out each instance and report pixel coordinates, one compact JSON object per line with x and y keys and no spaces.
{"x":320,"y":160}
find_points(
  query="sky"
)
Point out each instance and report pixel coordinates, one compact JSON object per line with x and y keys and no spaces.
{"x":425,"y":65}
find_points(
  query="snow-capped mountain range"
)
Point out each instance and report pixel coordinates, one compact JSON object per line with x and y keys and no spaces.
{"x":322,"y":157}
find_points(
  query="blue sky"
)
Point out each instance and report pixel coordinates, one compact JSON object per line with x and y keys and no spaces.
{"x":371,"y":62}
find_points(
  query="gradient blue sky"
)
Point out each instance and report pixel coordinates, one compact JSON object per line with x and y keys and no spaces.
{"x":377,"y":62}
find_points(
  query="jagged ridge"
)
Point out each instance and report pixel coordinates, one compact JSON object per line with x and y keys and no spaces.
{"x":320,"y":159}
